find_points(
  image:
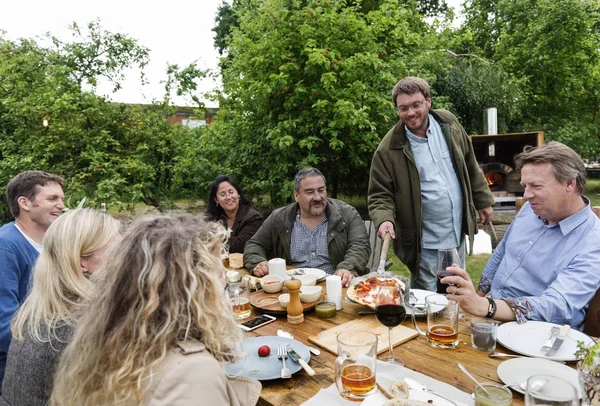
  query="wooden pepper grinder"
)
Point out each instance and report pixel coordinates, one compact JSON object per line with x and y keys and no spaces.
{"x":295,"y":310}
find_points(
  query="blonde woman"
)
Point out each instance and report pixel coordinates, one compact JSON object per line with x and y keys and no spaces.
{"x":74,"y":246}
{"x":160,"y":327}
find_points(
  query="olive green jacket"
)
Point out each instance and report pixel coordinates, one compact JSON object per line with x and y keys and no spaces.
{"x":395,"y":188}
{"x":347,"y":239}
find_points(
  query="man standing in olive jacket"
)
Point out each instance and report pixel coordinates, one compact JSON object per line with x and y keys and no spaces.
{"x":425,"y":184}
{"x":314,"y":232}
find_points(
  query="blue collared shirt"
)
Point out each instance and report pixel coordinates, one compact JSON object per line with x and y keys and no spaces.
{"x":309,"y":248}
{"x":440,"y":191}
{"x":547,"y":272}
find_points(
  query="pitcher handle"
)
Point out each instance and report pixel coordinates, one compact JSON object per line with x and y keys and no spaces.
{"x":236,"y":298}
{"x":414,"y":319}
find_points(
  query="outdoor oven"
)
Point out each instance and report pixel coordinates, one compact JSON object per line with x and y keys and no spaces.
{"x":495,"y":154}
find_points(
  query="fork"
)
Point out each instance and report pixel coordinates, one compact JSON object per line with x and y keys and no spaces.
{"x":282,"y":355}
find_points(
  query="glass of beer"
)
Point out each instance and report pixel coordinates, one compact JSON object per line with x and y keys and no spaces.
{"x":442,"y":321}
{"x":356,"y":363}
{"x":239,"y":294}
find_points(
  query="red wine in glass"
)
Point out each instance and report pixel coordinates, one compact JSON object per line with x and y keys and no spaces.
{"x":390,"y":311}
{"x":390,"y":315}
{"x":446,"y":257}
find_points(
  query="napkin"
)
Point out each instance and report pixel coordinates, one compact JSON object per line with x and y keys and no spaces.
{"x":387,"y":373}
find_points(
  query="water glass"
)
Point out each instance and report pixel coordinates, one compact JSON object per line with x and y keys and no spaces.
{"x":355,"y":366}
{"x":483,"y":334}
{"x":550,"y":390}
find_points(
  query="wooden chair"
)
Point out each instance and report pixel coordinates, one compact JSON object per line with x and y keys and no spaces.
{"x":592,"y":318}
{"x":375,"y":243}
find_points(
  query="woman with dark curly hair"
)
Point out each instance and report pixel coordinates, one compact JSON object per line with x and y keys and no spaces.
{"x":228,"y":204}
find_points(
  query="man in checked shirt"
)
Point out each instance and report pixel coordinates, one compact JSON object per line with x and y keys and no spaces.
{"x":314,"y":232}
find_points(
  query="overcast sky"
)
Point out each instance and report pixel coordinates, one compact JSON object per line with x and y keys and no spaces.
{"x":176,"y":33}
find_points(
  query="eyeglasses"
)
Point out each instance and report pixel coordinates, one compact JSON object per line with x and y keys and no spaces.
{"x":231,"y":192}
{"x":414,"y":106}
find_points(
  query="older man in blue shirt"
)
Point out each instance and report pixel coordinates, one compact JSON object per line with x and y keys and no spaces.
{"x":547,"y":266}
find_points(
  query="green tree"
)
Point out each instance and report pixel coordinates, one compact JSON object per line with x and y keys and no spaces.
{"x":309,"y":85}
{"x":106,"y":151}
{"x":551,"y":47}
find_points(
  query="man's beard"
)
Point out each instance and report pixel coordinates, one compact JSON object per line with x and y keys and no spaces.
{"x":317,"y":211}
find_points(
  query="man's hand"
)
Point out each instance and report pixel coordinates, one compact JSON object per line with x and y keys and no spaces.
{"x":346,"y":276}
{"x":261,"y":269}
{"x":464,"y":292}
{"x":386,"y":227}
{"x":485,"y":215}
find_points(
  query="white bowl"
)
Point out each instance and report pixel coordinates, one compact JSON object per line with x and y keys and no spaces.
{"x":284,"y":300}
{"x":310,"y":293}
{"x":307,"y":280}
{"x":271,"y":283}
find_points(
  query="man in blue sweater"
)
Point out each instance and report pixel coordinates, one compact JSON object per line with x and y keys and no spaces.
{"x":35,"y":200}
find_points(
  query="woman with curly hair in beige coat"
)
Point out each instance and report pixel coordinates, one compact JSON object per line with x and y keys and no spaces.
{"x":161,"y":326}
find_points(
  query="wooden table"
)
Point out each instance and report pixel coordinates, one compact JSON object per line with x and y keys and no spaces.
{"x":417,"y":355}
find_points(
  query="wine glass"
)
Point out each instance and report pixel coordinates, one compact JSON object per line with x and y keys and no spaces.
{"x":547,"y":389}
{"x":446,"y":257}
{"x":390,"y":312}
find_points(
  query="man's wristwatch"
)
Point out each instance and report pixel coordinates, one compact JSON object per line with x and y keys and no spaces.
{"x":491,"y":308}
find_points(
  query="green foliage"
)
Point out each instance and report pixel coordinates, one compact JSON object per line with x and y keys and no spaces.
{"x":551,"y":48}
{"x":472,"y":85}
{"x":308,"y":84}
{"x":109,"y":152}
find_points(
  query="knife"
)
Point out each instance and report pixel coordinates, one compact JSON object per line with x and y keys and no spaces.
{"x":294,"y":356}
{"x":553,"y":333}
{"x":559,"y":340}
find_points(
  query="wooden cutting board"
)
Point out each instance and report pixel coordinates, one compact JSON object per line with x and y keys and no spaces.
{"x":268,"y":302}
{"x":327,"y":339}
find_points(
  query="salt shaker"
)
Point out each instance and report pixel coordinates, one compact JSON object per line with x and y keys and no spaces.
{"x":334,"y":290}
{"x":295,"y":310}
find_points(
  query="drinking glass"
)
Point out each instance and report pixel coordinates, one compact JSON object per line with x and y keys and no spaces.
{"x":442,"y":321}
{"x":390,"y":311}
{"x":483,"y":334}
{"x":239,"y":294}
{"x":446,"y":257}
{"x":355,"y":365}
{"x":550,"y":390}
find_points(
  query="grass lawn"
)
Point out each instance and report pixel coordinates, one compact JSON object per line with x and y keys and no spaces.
{"x":475,"y":263}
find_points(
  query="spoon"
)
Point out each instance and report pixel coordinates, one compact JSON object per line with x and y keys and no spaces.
{"x":535,"y":385}
{"x":462,"y":368}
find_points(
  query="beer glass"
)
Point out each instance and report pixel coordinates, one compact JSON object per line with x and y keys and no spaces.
{"x":355,"y":365}
{"x":239,"y":294}
{"x":442,"y":321}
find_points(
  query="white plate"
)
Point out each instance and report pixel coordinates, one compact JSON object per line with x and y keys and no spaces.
{"x":518,"y":370}
{"x":420,"y":294}
{"x":528,"y":339}
{"x":319,"y":273}
{"x":266,"y":368}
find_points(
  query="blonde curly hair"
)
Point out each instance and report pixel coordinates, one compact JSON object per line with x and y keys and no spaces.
{"x":162,"y":286}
